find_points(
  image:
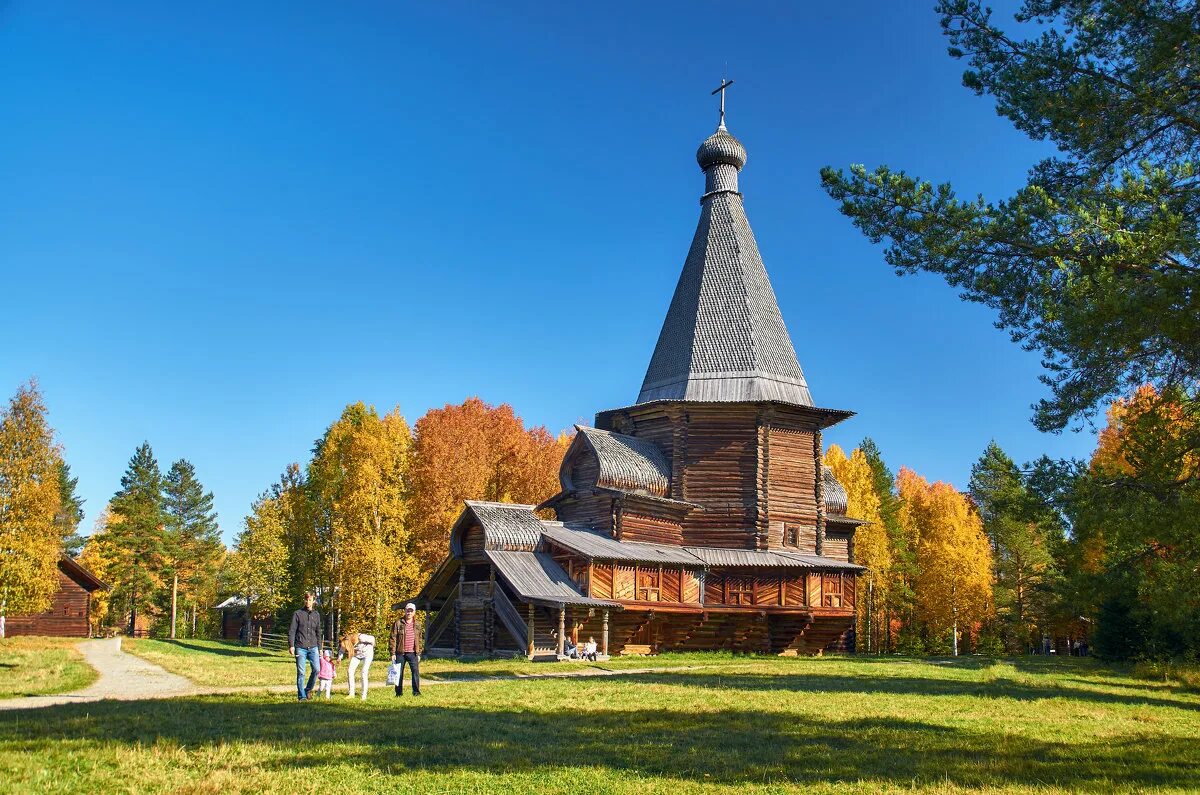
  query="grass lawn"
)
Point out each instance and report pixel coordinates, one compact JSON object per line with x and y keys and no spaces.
{"x":735,"y":725}
{"x":33,"y":666}
{"x":226,"y":663}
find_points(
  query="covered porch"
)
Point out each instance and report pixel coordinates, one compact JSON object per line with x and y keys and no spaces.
{"x":526,"y":607}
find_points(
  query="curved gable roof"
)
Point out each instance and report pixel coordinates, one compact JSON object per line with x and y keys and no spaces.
{"x":505,"y":525}
{"x":836,"y":500}
{"x":626,"y":463}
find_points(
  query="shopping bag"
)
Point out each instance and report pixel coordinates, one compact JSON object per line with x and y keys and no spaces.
{"x":393,"y":677}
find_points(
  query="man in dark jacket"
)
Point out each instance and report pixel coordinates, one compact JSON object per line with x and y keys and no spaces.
{"x":404,"y":644}
{"x":304,"y":642}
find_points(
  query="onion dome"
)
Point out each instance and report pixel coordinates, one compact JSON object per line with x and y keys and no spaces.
{"x":721,"y":147}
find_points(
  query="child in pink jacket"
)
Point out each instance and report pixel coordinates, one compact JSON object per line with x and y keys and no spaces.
{"x":326,"y":673}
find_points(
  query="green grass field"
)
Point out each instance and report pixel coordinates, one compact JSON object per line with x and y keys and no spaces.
{"x":733,"y":725}
{"x":31,"y":666}
{"x":209,"y":662}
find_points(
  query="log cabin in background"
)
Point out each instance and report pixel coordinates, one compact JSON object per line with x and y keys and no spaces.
{"x":700,"y":517}
{"x":71,"y":611}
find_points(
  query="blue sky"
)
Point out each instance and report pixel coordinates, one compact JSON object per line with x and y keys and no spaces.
{"x":222,"y":223}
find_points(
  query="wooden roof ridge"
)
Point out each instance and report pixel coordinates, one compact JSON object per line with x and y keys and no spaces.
{"x":78,"y":572}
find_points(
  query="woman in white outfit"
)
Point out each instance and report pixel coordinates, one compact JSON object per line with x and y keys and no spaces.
{"x":360,"y":648}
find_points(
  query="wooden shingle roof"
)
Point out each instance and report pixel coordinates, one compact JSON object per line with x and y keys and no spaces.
{"x":505,"y":525}
{"x":599,"y":546}
{"x":535,"y":577}
{"x":627,"y":463}
{"x":724,"y":339}
{"x":836,"y":501}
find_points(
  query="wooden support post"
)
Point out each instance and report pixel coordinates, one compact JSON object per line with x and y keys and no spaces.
{"x":562,"y":630}
{"x":604,"y":636}
{"x":258,"y":638}
{"x":529,"y":634}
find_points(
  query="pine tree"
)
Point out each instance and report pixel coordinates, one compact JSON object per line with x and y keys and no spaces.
{"x":30,"y":541}
{"x":1022,"y":532}
{"x":898,"y":605}
{"x":1095,"y":261}
{"x":70,"y":511}
{"x":137,"y":538}
{"x":192,"y":545}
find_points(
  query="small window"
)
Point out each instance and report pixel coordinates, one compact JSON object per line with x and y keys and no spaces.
{"x":741,"y":591}
{"x":648,"y":585}
{"x":791,"y":535}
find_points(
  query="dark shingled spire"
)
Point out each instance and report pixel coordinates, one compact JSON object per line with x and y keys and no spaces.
{"x":724,"y":339}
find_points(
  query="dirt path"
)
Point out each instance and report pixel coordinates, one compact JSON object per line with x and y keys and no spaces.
{"x":127,"y":677}
{"x":122,"y":676}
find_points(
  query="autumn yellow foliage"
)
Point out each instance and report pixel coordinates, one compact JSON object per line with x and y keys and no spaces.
{"x":359,"y":477}
{"x":872,"y":548}
{"x":953,"y":556}
{"x":30,"y":541}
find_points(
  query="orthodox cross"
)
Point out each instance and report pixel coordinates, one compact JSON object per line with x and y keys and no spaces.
{"x":721,"y":90}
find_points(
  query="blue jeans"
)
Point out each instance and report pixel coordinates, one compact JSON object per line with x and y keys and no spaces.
{"x":306,"y":658}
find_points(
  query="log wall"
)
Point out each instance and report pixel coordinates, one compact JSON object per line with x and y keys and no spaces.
{"x":653,"y":529}
{"x":473,"y":543}
{"x":593,"y":510}
{"x":791,"y":483}
{"x":67,"y":616}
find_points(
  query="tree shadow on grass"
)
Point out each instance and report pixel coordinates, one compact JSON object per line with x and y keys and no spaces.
{"x":730,"y":747}
{"x":230,"y":650}
{"x":999,"y":687}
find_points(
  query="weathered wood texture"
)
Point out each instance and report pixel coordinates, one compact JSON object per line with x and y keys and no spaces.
{"x":473,"y":544}
{"x":67,"y":616}
{"x":583,"y":471}
{"x":790,"y":485}
{"x":594,"y":510}
{"x":837,"y":546}
{"x":757,"y":589}
{"x":653,"y":529}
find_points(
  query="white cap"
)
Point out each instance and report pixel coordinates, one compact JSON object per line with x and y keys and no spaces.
{"x":410,"y":606}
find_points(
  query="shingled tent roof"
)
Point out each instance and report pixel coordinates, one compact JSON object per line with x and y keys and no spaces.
{"x":724,"y":338}
{"x":627,"y":463}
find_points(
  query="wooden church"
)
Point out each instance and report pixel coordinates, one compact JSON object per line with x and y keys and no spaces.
{"x":700,"y":517}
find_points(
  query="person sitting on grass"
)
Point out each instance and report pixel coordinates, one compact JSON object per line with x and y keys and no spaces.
{"x":327,"y":673}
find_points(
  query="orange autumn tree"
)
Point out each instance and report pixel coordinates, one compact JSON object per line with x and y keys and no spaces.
{"x":872,"y":548}
{"x":1135,"y":536}
{"x":953,"y":581}
{"x":475,"y":451}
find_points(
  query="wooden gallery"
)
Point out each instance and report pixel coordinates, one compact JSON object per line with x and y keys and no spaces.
{"x":700,"y":517}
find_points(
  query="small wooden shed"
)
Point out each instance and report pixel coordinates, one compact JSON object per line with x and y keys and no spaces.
{"x":70,"y":612}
